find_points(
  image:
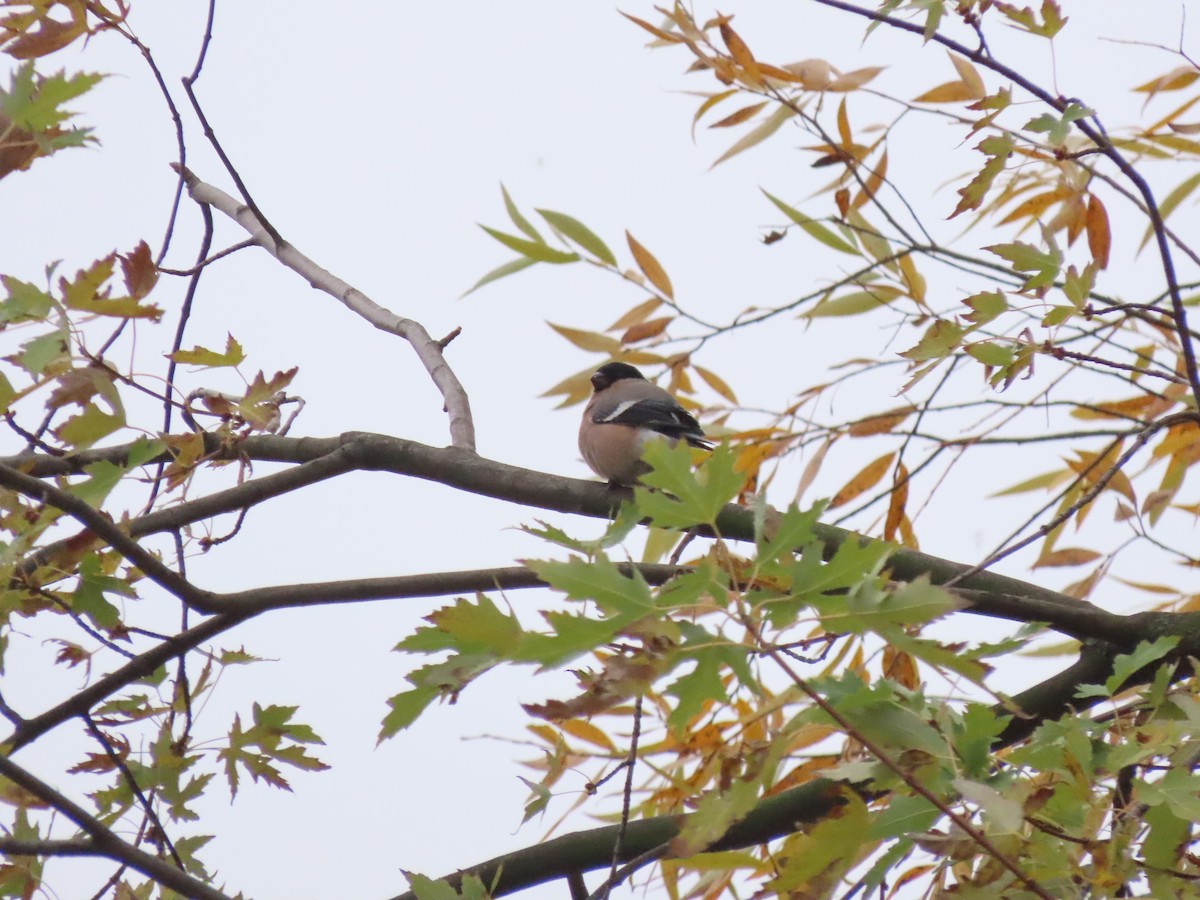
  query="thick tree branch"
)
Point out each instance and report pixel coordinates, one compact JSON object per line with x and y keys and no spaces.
{"x":584,"y":851}
{"x":428,"y":349}
{"x":326,"y":457}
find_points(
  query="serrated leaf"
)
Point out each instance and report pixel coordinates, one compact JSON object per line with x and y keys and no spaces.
{"x":233,"y":355}
{"x":685,"y":498}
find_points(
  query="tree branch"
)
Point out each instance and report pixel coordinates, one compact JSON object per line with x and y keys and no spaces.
{"x":105,"y":842}
{"x":428,"y":349}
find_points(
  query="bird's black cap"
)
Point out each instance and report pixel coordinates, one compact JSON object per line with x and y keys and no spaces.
{"x":610,"y":373}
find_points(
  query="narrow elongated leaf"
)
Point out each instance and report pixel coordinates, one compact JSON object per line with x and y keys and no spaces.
{"x":574,"y":230}
{"x":764,"y":130}
{"x":532,"y":249}
{"x":814,"y":228}
{"x":650,"y":266}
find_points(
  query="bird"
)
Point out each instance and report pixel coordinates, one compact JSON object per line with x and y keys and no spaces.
{"x":624,"y":413}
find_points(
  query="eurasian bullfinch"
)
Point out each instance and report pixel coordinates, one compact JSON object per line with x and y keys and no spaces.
{"x":624,"y":413}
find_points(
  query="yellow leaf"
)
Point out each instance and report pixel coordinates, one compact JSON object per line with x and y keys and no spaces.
{"x":657,"y":32}
{"x":913,"y":280}
{"x":869,"y":476}
{"x":1177,"y":79}
{"x":715,"y":382}
{"x":969,"y":75}
{"x":950,"y":92}
{"x":586,"y":731}
{"x":814,"y":74}
{"x":814,"y":466}
{"x":874,"y":181}
{"x":588,"y":340}
{"x":761,"y":132}
{"x":852,"y":81}
{"x":635,"y":315}
{"x":1172,"y":200}
{"x":650,"y":266}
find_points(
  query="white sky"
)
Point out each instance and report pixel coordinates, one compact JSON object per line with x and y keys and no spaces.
{"x":374,"y":137}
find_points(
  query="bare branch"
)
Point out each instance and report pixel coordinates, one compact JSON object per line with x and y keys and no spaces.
{"x":428,"y":349}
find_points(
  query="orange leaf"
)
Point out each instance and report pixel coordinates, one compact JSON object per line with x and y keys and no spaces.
{"x":1036,"y":205}
{"x":657,"y":32}
{"x":867,"y":478}
{"x":741,"y":54}
{"x":896,"y":503}
{"x":1099,"y":237}
{"x":650,"y":266}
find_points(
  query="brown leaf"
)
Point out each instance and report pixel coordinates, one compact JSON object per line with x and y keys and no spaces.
{"x":139,"y":271}
{"x":50,"y":35}
{"x":880,"y":423}
{"x":645,"y":330}
{"x":17,"y":148}
{"x":650,"y":266}
{"x":867,"y":478}
{"x":737,"y":118}
{"x":714,"y":381}
{"x":900,"y":667}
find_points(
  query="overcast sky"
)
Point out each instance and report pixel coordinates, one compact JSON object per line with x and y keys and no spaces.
{"x":375,"y":137}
